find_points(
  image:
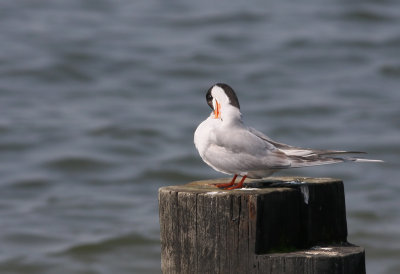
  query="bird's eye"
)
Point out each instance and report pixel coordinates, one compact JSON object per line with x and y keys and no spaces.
{"x":209,"y":97}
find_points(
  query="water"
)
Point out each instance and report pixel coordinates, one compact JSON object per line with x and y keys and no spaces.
{"x":99,"y":101}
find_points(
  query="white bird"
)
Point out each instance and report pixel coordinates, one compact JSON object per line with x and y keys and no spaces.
{"x":230,"y":147}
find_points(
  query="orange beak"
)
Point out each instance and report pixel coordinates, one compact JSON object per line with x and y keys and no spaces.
{"x":217,"y":110}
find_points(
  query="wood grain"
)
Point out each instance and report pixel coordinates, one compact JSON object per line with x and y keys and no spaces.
{"x":272,"y":226}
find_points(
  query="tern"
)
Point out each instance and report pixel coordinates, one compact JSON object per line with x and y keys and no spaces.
{"x":226,"y":144}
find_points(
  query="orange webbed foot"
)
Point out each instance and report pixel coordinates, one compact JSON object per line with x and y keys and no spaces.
{"x":231,"y":183}
{"x":239,"y":185}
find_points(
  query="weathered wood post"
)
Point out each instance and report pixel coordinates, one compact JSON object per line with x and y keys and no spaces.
{"x":281,"y":225}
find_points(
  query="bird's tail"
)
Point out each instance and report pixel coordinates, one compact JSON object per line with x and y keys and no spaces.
{"x":362,"y":160}
{"x":321,"y":157}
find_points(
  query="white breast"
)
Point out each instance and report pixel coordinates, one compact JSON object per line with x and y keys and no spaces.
{"x":203,"y":134}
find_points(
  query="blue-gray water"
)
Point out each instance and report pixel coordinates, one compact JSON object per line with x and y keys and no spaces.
{"x":99,"y":101}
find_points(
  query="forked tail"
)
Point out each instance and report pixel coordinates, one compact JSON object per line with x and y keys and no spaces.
{"x":320,"y":157}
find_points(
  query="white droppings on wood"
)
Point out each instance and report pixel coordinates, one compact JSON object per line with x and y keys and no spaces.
{"x":321,"y":248}
{"x":249,"y":188}
{"x":321,"y":252}
{"x":295,"y":182}
{"x":305,"y":192}
{"x":215,"y":192}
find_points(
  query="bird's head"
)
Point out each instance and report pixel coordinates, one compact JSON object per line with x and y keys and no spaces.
{"x":223,"y":101}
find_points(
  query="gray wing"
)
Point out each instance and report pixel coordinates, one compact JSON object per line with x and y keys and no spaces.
{"x":243,"y":151}
{"x":302,"y":157}
{"x":299,"y":151}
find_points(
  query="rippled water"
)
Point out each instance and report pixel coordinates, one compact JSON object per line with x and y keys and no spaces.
{"x":99,"y":101}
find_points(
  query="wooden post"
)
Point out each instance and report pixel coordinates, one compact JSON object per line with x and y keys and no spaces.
{"x":279,"y":225}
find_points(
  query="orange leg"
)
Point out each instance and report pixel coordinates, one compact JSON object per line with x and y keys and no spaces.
{"x":239,"y":185}
{"x":228,"y":184}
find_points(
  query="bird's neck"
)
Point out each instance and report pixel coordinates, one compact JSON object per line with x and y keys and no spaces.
{"x":231,"y":116}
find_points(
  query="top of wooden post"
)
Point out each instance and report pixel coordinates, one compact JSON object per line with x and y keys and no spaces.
{"x":253,"y":186}
{"x":288,"y":212}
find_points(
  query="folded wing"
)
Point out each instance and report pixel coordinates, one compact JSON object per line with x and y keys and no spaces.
{"x":302,"y":157}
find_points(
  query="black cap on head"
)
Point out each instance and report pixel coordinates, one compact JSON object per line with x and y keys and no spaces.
{"x":209,"y":98}
{"x":233,"y":100}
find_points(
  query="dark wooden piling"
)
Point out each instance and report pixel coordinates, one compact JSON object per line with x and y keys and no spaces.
{"x":279,"y":225}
